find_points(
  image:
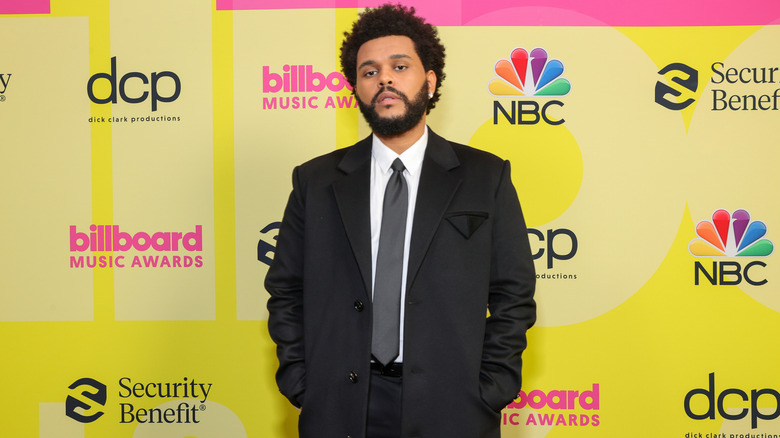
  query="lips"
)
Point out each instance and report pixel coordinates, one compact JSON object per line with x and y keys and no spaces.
{"x":386,"y":97}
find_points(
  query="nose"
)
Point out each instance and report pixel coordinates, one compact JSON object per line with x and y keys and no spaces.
{"x":385,"y":79}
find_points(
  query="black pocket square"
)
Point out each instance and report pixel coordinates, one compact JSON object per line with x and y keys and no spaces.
{"x":467,"y":222}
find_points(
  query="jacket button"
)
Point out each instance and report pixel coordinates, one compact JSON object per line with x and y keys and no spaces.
{"x":353,"y":377}
{"x":358,"y":305}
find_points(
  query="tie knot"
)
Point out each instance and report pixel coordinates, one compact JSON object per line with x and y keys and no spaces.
{"x":398,"y":165}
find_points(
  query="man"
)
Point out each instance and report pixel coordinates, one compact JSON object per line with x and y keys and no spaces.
{"x":391,"y":253}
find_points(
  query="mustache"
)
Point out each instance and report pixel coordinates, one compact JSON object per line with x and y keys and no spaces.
{"x":390,"y":89}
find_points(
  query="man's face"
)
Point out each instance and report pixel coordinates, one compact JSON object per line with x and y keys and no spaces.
{"x":388,"y":73}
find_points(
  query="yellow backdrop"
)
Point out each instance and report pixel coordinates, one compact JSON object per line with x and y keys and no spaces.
{"x":147,"y":148}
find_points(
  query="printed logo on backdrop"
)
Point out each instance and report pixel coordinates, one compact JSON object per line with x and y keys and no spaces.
{"x":686,"y":77}
{"x":5,"y":78}
{"x":732,"y":404}
{"x":554,"y":408}
{"x":729,"y":95}
{"x":554,"y":246}
{"x":265,"y":249}
{"x":735,"y":236}
{"x":295,"y":87}
{"x":150,"y":91}
{"x":138,"y":401}
{"x":154,"y":250}
{"x":530,"y":75}
{"x":91,"y":397}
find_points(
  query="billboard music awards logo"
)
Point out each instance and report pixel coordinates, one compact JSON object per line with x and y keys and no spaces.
{"x":297,"y":83}
{"x":570,"y":408}
{"x":5,"y":78}
{"x":86,"y":402}
{"x":532,"y":75}
{"x":109,"y":238}
{"x":731,"y":235}
{"x":134,"y":87}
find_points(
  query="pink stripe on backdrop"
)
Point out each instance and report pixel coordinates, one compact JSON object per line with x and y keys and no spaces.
{"x":25,"y":7}
{"x":557,"y":12}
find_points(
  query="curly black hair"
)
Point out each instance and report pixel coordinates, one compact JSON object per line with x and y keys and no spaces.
{"x":387,"y":20}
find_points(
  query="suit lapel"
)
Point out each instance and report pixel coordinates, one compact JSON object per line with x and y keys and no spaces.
{"x":437,"y":187}
{"x":353,"y":199}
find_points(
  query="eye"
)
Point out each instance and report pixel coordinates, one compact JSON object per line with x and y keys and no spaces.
{"x":401,"y":67}
{"x":369,"y":73}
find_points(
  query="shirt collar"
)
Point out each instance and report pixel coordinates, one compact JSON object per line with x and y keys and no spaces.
{"x":412,"y":157}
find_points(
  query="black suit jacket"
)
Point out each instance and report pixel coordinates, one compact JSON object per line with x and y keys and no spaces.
{"x":469,"y":255}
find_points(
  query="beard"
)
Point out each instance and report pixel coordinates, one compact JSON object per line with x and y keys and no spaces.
{"x":391,"y":126}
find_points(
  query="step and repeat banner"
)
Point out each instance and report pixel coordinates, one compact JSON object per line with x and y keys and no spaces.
{"x":147,"y":148}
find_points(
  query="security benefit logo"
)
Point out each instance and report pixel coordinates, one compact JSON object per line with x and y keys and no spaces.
{"x":731,"y":82}
{"x":112,"y":247}
{"x":139,"y":401}
{"x":85,"y":402}
{"x":154,"y":90}
{"x":554,"y":408}
{"x":731,"y":235}
{"x":265,"y":249}
{"x":732,"y":404}
{"x":530,"y":75}
{"x":298,"y":87}
{"x":729,"y":85}
{"x":5,"y":78}
{"x":686,"y":79}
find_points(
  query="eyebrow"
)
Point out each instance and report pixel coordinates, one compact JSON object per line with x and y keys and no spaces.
{"x":372,"y":62}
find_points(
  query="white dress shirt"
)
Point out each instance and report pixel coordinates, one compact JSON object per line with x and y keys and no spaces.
{"x":382,"y":158}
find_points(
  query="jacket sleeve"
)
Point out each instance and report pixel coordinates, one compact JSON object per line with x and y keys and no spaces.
{"x":284,"y":281}
{"x":512,"y":310}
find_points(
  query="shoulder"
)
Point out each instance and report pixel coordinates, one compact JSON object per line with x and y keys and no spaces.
{"x":468,"y":158}
{"x":324,"y":170}
{"x":340,"y":160}
{"x":323,"y":162}
{"x":471,"y":154}
{"x":468,"y":153}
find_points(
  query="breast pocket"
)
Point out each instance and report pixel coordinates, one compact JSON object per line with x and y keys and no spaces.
{"x":466,"y":222}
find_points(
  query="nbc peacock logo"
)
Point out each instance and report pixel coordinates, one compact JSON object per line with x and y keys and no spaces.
{"x":529,"y":75}
{"x":731,"y":235}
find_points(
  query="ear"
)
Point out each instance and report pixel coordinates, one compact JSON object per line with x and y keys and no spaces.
{"x":430,"y":77}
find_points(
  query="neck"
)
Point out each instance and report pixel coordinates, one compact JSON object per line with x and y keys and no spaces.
{"x":403,"y":141}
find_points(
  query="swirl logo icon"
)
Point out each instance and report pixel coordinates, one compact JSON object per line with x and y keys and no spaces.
{"x":529,"y":75}
{"x":731,"y":235}
{"x":79,"y":406}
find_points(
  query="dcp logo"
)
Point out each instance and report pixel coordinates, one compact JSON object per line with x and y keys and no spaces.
{"x":551,"y":249}
{"x":136,"y":76}
{"x":92,"y":393}
{"x":689,"y":81}
{"x":734,"y":395}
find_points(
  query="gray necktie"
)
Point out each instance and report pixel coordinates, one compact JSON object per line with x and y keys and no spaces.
{"x":389,"y":268}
